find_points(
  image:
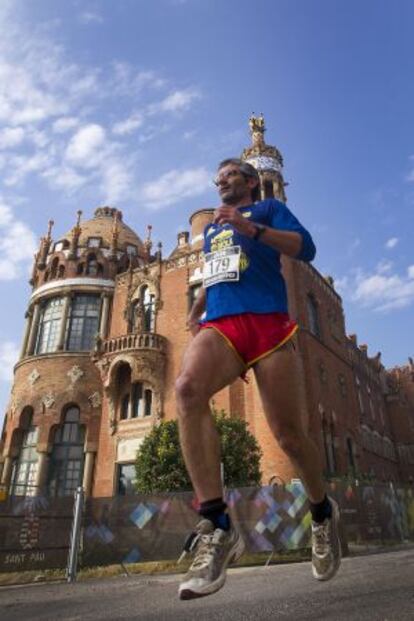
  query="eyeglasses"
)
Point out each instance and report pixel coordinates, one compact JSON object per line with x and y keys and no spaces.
{"x":228,"y":175}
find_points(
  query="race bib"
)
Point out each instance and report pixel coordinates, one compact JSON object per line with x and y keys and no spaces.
{"x":221,"y":266}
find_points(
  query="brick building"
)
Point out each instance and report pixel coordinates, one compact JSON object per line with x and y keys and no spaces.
{"x":104,"y":337}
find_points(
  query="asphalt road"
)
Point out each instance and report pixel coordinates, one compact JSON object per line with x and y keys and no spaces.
{"x":377,"y":587}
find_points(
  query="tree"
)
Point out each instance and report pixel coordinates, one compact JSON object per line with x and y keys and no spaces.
{"x":160,"y":465}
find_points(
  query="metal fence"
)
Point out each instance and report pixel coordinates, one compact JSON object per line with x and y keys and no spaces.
{"x":35,"y":532}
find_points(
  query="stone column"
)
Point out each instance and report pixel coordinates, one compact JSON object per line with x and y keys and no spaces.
{"x":7,"y":471}
{"x":26,"y":335}
{"x":63,"y":321}
{"x":41,"y":474}
{"x":33,"y":329}
{"x":88,"y":472}
{"x":103,"y":326}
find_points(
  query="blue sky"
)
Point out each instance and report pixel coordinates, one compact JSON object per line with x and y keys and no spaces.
{"x":132,"y":103}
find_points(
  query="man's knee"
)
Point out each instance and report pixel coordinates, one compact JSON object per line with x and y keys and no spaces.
{"x":188,"y":392}
{"x":291,"y":441}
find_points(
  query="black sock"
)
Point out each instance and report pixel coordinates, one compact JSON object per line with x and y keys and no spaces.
{"x":215,"y":511}
{"x":321,"y":510}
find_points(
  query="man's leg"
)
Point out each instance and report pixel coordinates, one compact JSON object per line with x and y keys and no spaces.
{"x":209,"y":365}
{"x":277,"y":378}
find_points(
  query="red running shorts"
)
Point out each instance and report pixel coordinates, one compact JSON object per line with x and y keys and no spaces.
{"x":254,"y":335}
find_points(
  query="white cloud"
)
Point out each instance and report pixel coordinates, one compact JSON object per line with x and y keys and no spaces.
{"x":391,"y":243}
{"x":174,"y":186}
{"x":381,"y":291}
{"x":65,"y":178}
{"x":17,"y":244}
{"x":9,"y":354}
{"x":90,"y":17}
{"x":177,"y":101}
{"x":11,"y":137}
{"x":128,"y":126}
{"x":64,"y":124}
{"x":85,"y":147}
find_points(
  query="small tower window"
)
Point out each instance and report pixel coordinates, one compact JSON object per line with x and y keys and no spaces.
{"x":83,"y":322}
{"x":94,"y":242}
{"x":92,"y":266}
{"x":49,"y":326}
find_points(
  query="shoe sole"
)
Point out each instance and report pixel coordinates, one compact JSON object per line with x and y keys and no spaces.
{"x":331,"y":574}
{"x":234,"y":555}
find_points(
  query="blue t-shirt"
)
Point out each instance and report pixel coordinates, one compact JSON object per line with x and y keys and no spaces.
{"x":261,"y":287}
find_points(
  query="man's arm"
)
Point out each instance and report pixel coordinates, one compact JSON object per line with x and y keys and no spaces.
{"x":285,"y":242}
{"x":196,"y":311}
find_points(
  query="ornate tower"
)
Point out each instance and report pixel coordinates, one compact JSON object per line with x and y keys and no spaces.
{"x":266,"y":159}
{"x":53,"y":419}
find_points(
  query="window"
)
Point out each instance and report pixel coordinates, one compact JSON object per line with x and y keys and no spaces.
{"x":126,"y":479}
{"x":94,"y":242}
{"x":92,"y":266}
{"x":313,"y":316}
{"x":125,"y":407}
{"x":141,"y":402}
{"x":83,"y":322}
{"x":342,"y":385}
{"x":323,"y":374}
{"x":66,"y":463}
{"x":61,"y":271}
{"x":137,"y":403}
{"x":329,"y":446}
{"x":131,"y":250}
{"x":360,"y":399}
{"x":148,"y":403}
{"x":49,"y":326}
{"x":24,"y":479}
{"x":148,"y":302}
{"x":54,"y":268}
{"x":351,"y":457}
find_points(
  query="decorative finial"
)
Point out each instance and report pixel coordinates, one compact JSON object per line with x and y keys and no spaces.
{"x":49,"y":229}
{"x":79,"y":213}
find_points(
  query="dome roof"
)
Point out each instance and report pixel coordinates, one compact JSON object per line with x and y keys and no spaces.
{"x":102,"y":225}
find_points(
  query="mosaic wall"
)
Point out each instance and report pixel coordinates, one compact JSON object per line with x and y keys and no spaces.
{"x":35,"y":532}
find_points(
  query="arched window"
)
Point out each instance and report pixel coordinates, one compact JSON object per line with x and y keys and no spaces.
{"x":49,"y":326}
{"x":148,"y":302}
{"x":24,"y":477}
{"x":61,"y":271}
{"x":141,"y":402}
{"x":66,"y":463}
{"x":313,"y":315}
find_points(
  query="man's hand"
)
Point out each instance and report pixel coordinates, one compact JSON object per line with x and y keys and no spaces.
{"x":231,"y":215}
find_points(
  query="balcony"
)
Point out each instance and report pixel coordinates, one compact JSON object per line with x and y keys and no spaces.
{"x":133,"y":342}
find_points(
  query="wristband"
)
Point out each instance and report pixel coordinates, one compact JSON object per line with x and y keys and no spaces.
{"x":260,"y":229}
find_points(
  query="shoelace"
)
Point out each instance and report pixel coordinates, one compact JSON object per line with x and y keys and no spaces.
{"x":205,"y":545}
{"x":321,"y":534}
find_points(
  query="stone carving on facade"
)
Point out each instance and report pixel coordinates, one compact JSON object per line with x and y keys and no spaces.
{"x":95,"y":399}
{"x":263,"y":156}
{"x":33,"y":377}
{"x":74,"y":374}
{"x":48,"y":400}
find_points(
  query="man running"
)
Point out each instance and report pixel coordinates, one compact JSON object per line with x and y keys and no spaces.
{"x":246,"y":325}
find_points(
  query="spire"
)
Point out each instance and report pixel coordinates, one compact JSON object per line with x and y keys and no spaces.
{"x":44,"y":246}
{"x":267,"y":160}
{"x":158,"y":254}
{"x":76,"y":231}
{"x":148,"y":242}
